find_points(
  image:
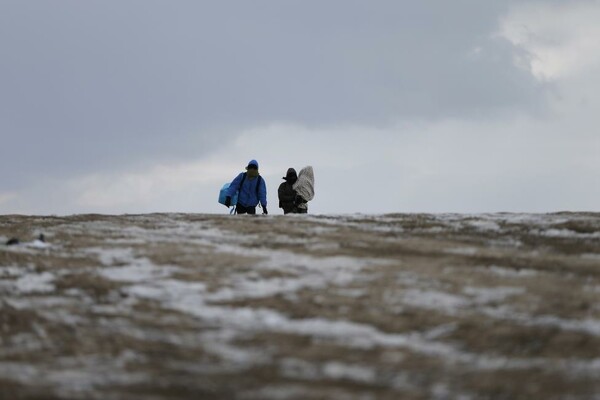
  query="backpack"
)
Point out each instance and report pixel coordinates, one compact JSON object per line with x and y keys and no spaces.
{"x":234,"y":198}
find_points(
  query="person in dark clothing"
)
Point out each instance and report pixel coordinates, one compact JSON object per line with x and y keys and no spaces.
{"x":286,"y":192}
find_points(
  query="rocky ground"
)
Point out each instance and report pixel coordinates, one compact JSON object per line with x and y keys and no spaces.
{"x":183,"y":306}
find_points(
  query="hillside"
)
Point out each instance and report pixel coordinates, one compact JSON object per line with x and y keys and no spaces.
{"x":406,"y":306}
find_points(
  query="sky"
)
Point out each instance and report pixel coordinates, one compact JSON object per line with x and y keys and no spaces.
{"x":135,"y":106}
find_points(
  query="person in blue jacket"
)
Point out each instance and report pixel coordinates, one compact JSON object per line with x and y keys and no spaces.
{"x":252,"y":190}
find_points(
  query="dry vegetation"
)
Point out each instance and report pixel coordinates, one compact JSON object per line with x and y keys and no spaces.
{"x":406,"y":306}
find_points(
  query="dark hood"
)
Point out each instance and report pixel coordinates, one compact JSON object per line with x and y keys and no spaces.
{"x":291,"y":175}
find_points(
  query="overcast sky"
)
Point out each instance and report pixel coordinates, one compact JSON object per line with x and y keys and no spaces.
{"x":400,"y":106}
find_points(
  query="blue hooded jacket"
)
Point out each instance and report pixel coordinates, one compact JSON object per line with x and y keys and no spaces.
{"x":247,"y":196}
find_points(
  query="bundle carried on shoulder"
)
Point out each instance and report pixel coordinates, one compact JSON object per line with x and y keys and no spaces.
{"x":305,"y":185}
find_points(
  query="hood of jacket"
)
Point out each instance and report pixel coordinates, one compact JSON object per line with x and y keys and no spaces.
{"x":291,"y":175}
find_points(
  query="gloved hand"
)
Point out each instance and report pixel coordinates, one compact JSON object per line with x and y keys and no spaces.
{"x":265,"y":212}
{"x":299,"y":200}
{"x":228,"y":201}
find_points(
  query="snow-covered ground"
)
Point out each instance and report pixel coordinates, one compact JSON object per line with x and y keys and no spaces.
{"x":166,"y":306}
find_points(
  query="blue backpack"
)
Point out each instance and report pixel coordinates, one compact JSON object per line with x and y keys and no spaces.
{"x":223,"y":195}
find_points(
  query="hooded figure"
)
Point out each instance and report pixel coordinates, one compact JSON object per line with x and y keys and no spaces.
{"x":286,"y":192}
{"x":305,"y":189}
{"x":252,"y":190}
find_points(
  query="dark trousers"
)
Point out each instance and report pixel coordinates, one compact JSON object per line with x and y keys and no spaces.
{"x":295,"y":210}
{"x":245,"y":210}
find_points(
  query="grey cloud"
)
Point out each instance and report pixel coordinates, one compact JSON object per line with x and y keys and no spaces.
{"x":101,"y":84}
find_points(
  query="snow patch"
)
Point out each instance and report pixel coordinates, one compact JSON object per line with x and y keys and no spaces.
{"x":564,"y":234}
{"x":589,"y":326}
{"x":512,"y":273}
{"x":144,"y":270}
{"x":434,"y":300}
{"x":111,"y":256}
{"x":484,"y":225}
{"x":464,"y":251}
{"x":12,"y":271}
{"x":35,"y":283}
{"x":488,"y":295}
{"x":355,"y":373}
{"x":38,"y":244}
{"x":440,"y":331}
